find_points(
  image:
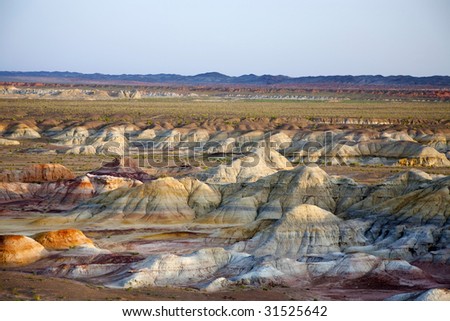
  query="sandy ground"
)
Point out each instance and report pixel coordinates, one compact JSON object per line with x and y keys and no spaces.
{"x":25,"y":286}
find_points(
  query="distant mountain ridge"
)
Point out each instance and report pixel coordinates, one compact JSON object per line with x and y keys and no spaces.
{"x":211,"y":78}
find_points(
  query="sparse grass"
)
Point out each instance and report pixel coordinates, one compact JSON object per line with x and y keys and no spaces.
{"x":183,"y":110}
{"x":16,"y":160}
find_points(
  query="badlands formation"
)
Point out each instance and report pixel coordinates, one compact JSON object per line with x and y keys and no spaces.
{"x":218,"y":206}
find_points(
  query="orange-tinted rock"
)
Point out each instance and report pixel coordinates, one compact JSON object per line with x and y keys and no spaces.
{"x":37,"y":173}
{"x":16,"y":250}
{"x":46,"y":173}
{"x":63,"y":239}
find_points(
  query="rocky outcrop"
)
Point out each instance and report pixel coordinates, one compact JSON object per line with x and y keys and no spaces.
{"x":38,"y":173}
{"x":233,"y":210}
{"x":408,"y":226}
{"x":17,"y":191}
{"x":162,"y":201}
{"x":109,"y":141}
{"x":130,"y":94}
{"x":46,"y":173}
{"x":17,"y":250}
{"x":62,"y":194}
{"x":366,"y":151}
{"x":123,"y":167}
{"x":20,"y":130}
{"x":396,"y":185}
{"x":146,"y":134}
{"x":402,"y":153}
{"x":272,"y":196}
{"x":63,"y":239}
{"x":304,"y":229}
{"x":82,"y":150}
{"x":267,"y":198}
{"x":76,"y":135}
{"x":303,"y":185}
{"x":214,"y":269}
{"x":260,"y":163}
{"x":8,"y":142}
{"x":169,"y":269}
{"x":428,"y":295}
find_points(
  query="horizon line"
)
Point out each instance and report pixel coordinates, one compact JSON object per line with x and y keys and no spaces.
{"x":222,"y":74}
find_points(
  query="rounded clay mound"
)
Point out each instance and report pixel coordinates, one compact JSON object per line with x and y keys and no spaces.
{"x":63,"y":239}
{"x":16,"y":250}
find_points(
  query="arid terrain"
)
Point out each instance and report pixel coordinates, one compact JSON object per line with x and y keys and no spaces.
{"x":169,"y":193}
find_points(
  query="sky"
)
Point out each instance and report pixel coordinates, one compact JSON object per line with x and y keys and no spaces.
{"x":234,"y":37}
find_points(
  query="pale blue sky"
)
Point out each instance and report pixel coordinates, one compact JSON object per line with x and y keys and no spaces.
{"x":291,"y":37}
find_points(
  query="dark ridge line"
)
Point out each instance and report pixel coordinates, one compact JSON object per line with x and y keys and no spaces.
{"x":215,"y":78}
